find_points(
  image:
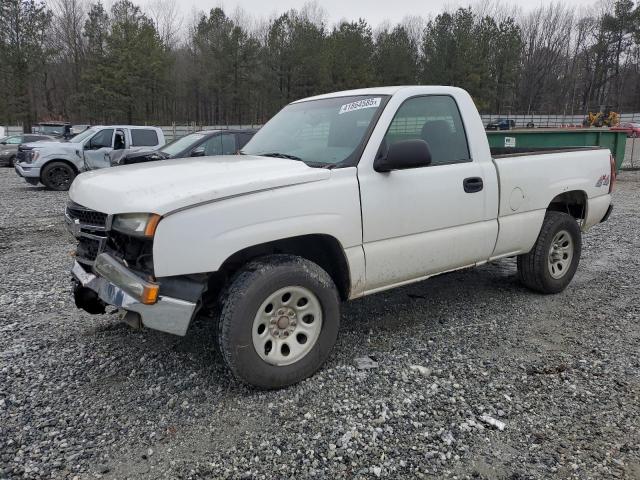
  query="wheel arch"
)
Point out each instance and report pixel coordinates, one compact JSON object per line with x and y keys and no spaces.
{"x":322,"y":249}
{"x":61,"y":160}
{"x":573,"y":202}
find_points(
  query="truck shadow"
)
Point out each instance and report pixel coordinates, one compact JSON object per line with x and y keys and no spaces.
{"x":29,"y":188}
{"x":452,"y":300}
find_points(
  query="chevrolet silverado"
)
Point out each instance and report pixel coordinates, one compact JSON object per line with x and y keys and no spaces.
{"x":338,"y":196}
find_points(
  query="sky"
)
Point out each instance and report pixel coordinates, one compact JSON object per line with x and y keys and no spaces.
{"x":375,"y":12}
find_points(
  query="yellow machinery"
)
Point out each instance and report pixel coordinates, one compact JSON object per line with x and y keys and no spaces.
{"x":604,"y":118}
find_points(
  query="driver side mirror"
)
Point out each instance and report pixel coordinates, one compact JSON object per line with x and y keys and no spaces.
{"x":404,"y":155}
{"x":197,"y":152}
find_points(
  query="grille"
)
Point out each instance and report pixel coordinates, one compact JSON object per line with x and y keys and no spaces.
{"x":24,"y":155}
{"x":87,"y":217}
{"x":90,"y":228}
{"x":88,"y":249}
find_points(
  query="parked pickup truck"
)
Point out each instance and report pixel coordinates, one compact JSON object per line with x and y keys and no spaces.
{"x":338,"y":196}
{"x":56,"y":164}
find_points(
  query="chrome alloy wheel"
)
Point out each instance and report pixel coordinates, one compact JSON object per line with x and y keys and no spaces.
{"x":287,"y":326}
{"x":560,"y":254}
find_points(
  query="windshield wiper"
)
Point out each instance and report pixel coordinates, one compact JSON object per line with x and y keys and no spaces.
{"x":309,"y":163}
{"x":280,"y":155}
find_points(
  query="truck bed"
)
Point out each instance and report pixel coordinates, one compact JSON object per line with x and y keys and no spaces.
{"x":556,"y":138}
{"x":505,"y":152}
{"x":530,"y":178}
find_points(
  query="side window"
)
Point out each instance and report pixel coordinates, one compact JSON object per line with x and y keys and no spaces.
{"x":104,"y":138}
{"x":141,"y":137}
{"x":213,"y":146}
{"x":14,"y":140}
{"x":228,"y":144}
{"x":436,"y":120}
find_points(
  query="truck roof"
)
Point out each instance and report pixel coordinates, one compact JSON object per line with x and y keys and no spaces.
{"x":360,"y":91}
{"x":125,"y":126}
{"x":382,"y":91}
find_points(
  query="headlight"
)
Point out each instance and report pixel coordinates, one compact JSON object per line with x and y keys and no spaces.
{"x":35,"y":155}
{"x":136,"y":224}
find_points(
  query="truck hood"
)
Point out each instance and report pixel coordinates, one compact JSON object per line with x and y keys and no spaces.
{"x":55,"y":146}
{"x":165,"y":186}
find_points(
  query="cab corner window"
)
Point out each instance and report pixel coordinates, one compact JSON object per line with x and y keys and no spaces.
{"x":436,"y":120}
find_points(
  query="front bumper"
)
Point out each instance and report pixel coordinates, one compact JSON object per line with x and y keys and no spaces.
{"x":171,"y":315}
{"x":29,"y":173}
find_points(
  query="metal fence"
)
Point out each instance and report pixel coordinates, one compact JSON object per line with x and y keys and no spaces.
{"x":171,"y":132}
{"x":551,"y":121}
{"x":174,"y":131}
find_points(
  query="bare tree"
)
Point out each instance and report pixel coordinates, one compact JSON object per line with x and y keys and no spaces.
{"x":314,"y":13}
{"x":66,"y":37}
{"x":168,"y":20}
{"x":414,"y":25}
{"x":546,"y":32}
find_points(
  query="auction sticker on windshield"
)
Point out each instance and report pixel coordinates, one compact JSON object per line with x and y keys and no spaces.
{"x":360,"y":104}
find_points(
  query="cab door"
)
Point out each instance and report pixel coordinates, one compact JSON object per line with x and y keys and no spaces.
{"x":422,"y":221}
{"x":97,"y":149}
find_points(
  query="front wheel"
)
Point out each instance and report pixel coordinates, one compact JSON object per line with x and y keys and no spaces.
{"x":553,"y":260}
{"x":57,"y":176}
{"x":12,"y":161}
{"x":279,"y":321}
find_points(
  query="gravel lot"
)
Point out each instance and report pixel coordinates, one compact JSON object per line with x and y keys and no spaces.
{"x":85,"y":397}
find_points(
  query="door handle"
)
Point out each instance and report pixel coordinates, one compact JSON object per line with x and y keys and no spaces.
{"x":472,"y":184}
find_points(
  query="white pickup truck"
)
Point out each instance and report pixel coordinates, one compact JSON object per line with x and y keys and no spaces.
{"x":337,"y":197}
{"x":56,"y":164}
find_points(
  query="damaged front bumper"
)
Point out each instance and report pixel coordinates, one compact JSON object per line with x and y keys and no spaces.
{"x":167,"y":314}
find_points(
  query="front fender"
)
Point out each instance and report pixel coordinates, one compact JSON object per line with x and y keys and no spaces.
{"x":64,"y":157}
{"x":200,"y":239}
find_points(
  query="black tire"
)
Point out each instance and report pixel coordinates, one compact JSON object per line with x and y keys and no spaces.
{"x":240,"y":303}
{"x":534,"y":270}
{"x":57,"y":176}
{"x":12,"y":161}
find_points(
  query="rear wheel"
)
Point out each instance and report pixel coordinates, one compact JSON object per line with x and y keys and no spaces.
{"x":12,"y":161}
{"x":279,"y":321}
{"x":553,"y":260}
{"x":57,"y":176}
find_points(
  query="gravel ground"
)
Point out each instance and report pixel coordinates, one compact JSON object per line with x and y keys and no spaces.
{"x":85,"y":397}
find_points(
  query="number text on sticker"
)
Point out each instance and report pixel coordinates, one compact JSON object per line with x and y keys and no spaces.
{"x":360,"y":104}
